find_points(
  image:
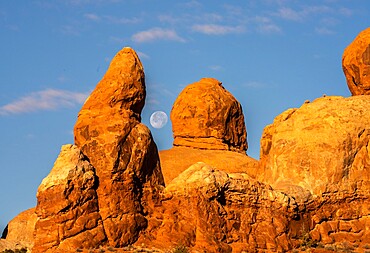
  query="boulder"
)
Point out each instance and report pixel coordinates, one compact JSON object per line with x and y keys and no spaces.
{"x":177,"y":159}
{"x":21,"y":228}
{"x":356,"y":64}
{"x":320,"y":147}
{"x":206,"y":116}
{"x":67,"y":206}
{"x":121,"y":149}
{"x":212,"y":211}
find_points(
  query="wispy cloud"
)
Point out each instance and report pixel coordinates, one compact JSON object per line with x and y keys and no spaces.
{"x":111,"y":19}
{"x":143,"y":55}
{"x":50,"y":99}
{"x":324,"y":31}
{"x":266,"y":26}
{"x":155,"y":34}
{"x":92,"y":16}
{"x":213,"y":29}
{"x":216,"y":67}
{"x":299,"y":15}
{"x":70,"y":30}
{"x":255,"y":85}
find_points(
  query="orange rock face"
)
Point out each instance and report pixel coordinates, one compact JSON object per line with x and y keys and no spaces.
{"x":320,"y":146}
{"x":356,"y":64}
{"x":21,"y":228}
{"x":205,"y":115}
{"x":177,"y":159}
{"x":212,"y":211}
{"x":67,"y":206}
{"x":109,"y":133}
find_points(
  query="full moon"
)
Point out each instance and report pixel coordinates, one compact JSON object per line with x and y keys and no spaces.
{"x":158,"y":119}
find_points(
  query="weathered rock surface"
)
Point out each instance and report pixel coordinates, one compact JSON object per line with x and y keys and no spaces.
{"x":21,"y":228}
{"x":177,"y":159}
{"x":205,"y":115}
{"x":321,"y":146}
{"x":121,"y":149}
{"x":212,"y":211}
{"x":356,"y":64}
{"x":67,"y":206}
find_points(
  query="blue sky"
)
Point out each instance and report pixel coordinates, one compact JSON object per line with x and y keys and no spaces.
{"x":270,"y":54}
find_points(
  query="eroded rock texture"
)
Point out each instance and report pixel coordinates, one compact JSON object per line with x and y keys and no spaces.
{"x":21,"y":229}
{"x":177,"y":159}
{"x":67,"y":206}
{"x":205,"y":115}
{"x":356,"y":64}
{"x":121,"y":149}
{"x":212,"y":211}
{"x":319,"y":154}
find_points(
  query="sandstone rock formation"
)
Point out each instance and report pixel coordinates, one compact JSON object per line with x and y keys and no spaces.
{"x":212,"y":211}
{"x":319,"y":154}
{"x":205,"y":115}
{"x":321,"y":146}
{"x":310,"y":187}
{"x":67,"y":206}
{"x":356,"y":64}
{"x":177,"y":159}
{"x":208,"y":126}
{"x":121,"y":149}
{"x":21,"y":228}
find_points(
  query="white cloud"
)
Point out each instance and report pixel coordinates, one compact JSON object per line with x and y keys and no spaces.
{"x":294,"y":15}
{"x":266,"y":26}
{"x":255,"y":85}
{"x":213,"y":29}
{"x":157,"y":34}
{"x":324,"y":31}
{"x":269,"y":28}
{"x":290,"y":14}
{"x":45,"y":100}
{"x":143,"y":55}
{"x":92,"y":16}
{"x":215,"y":67}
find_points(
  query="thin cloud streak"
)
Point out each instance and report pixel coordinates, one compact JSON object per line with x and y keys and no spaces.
{"x":212,"y":29}
{"x":156,"y":34}
{"x":46,"y":100}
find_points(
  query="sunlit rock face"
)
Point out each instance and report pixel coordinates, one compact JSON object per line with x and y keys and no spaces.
{"x":320,"y":147}
{"x":206,"y":116}
{"x":356,"y":64}
{"x":121,"y":149}
{"x":67,"y":206}
{"x":210,"y":210}
{"x":208,"y":126}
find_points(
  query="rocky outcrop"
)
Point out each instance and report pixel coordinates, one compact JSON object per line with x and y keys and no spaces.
{"x":121,"y":149}
{"x":208,"y":126}
{"x":212,"y":211}
{"x":319,"y":154}
{"x":177,"y":159}
{"x":67,"y":206}
{"x":320,"y":147}
{"x":21,"y":228}
{"x":356,"y":64}
{"x":206,"y":116}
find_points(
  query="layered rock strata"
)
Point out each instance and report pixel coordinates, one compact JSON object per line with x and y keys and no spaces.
{"x":206,"y":116}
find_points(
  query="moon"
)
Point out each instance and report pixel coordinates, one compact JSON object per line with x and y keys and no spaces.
{"x":158,"y":119}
